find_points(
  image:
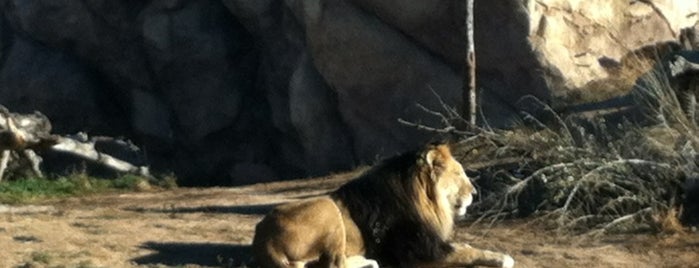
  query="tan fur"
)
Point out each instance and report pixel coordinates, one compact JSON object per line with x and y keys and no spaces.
{"x":320,"y":231}
{"x":296,"y":233}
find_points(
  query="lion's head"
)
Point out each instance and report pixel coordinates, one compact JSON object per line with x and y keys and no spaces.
{"x":446,"y":187}
{"x":451,"y":179}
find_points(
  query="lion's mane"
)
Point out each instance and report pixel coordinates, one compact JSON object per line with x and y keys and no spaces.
{"x":395,"y":206}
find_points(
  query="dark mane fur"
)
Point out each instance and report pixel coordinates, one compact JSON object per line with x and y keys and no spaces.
{"x":380,"y":204}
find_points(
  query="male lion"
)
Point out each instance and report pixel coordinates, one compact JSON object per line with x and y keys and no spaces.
{"x":400,"y":212}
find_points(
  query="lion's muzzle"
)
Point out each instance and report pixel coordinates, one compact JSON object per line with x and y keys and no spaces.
{"x":461,"y":205}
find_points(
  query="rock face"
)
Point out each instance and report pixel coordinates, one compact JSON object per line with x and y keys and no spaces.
{"x":237,"y":91}
{"x":574,"y":36}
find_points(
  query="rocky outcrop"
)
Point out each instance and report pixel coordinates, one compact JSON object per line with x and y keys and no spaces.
{"x":577,"y":38}
{"x":237,"y":91}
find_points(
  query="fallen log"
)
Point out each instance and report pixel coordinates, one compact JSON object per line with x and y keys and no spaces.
{"x":23,"y":135}
{"x":86,"y":150}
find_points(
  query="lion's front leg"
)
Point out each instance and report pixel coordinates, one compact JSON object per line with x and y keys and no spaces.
{"x":466,"y":256}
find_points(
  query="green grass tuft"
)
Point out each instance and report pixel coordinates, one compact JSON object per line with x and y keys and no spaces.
{"x":30,"y":190}
{"x":41,"y":257}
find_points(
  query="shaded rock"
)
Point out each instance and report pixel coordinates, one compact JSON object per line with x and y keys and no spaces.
{"x":99,"y":32}
{"x":438,"y":25}
{"x":313,"y":113}
{"x":35,"y":77}
{"x":378,"y":74}
{"x":310,"y":137}
{"x":151,"y":117}
{"x":250,"y":173}
{"x":194,"y":56}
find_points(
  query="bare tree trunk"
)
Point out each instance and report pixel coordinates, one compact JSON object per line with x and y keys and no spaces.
{"x":470,"y":95}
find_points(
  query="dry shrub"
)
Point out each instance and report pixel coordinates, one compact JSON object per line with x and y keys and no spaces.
{"x":597,"y":176}
{"x":608,"y":184}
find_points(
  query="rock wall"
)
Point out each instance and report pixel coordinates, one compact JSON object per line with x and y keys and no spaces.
{"x":239,"y":91}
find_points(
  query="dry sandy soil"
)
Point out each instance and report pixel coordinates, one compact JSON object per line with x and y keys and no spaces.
{"x":213,"y":227}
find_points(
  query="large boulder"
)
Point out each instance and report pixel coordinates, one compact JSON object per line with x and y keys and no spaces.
{"x":579,"y":39}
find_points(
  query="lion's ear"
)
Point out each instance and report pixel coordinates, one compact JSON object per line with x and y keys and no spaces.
{"x":430,"y":156}
{"x":435,"y":162}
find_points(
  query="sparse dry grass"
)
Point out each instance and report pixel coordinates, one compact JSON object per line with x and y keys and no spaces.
{"x":669,"y":221}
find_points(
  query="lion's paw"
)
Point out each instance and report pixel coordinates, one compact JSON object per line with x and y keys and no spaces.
{"x":371,"y":264}
{"x":361,"y":262}
{"x":508,"y":262}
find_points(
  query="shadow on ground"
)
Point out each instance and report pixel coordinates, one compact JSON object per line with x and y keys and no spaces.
{"x":245,"y":210}
{"x":259,"y":209}
{"x":324,"y":188}
{"x":202,"y":254}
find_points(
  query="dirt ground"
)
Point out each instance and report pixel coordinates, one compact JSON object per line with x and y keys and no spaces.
{"x":213,"y":227}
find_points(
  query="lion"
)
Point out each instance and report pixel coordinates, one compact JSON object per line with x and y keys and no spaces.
{"x":399,"y":213}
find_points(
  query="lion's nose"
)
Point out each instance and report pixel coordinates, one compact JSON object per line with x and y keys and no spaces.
{"x":474,"y":192}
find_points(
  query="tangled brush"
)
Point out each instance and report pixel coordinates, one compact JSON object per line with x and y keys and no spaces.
{"x":593,"y":176}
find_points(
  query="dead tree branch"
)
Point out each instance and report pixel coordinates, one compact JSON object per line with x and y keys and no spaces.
{"x":27,"y":134}
{"x":25,"y":131}
{"x":86,"y":150}
{"x":445,"y":130}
